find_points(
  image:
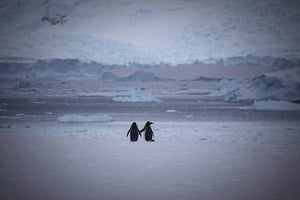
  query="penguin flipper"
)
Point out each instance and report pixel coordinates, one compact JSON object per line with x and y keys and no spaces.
{"x":128,"y":133}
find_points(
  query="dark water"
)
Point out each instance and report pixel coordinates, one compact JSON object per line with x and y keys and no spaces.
{"x":189,"y":108}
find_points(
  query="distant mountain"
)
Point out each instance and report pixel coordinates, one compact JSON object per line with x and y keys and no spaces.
{"x":265,"y":63}
{"x":29,"y":67}
{"x":82,"y":47}
{"x":175,"y":32}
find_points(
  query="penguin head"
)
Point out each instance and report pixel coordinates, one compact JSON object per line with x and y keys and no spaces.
{"x":133,"y":125}
{"x":149,"y":123}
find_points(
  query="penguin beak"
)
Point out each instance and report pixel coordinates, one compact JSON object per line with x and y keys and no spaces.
{"x":151,"y":123}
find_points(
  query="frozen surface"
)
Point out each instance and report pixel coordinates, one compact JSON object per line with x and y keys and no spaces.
{"x":65,"y":168}
{"x":83,"y":118}
{"x":272,"y":105}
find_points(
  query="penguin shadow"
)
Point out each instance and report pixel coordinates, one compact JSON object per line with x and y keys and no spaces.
{"x":134,"y":132}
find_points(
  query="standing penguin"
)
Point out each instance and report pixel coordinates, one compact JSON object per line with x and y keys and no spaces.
{"x":148,"y":133}
{"x":134,"y":132}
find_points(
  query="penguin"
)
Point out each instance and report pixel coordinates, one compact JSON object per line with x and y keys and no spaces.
{"x":148,"y":132}
{"x":134,"y":132}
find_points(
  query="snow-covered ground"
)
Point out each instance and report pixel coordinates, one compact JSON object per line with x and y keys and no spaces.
{"x":66,"y":168}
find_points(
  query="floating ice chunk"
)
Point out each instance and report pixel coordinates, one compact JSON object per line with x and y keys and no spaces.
{"x":272,"y":105}
{"x":83,"y":118}
{"x":19,"y":114}
{"x":48,"y":113}
{"x":171,"y":111}
{"x":138,"y":95}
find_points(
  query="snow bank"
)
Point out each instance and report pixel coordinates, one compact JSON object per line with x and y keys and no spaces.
{"x":272,"y":105}
{"x":263,"y":87}
{"x":83,"y":118}
{"x":138,"y":95}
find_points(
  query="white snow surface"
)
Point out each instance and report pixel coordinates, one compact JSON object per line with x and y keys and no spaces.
{"x":83,"y":118}
{"x":272,"y":105}
{"x":138,"y":95}
{"x":69,"y":168}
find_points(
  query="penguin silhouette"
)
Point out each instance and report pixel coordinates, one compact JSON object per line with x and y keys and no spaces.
{"x":134,"y":132}
{"x":148,"y":132}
